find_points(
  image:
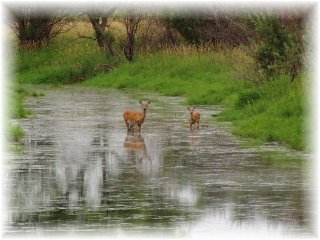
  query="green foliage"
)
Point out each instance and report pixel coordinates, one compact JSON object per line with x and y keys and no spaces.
{"x":279,"y":45}
{"x":271,"y":52}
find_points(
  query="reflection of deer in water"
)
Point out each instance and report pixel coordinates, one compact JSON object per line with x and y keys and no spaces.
{"x":194,"y":117}
{"x":133,"y":118}
{"x":136,"y":143}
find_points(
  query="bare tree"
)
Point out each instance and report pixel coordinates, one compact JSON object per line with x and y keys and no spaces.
{"x":131,"y":22}
{"x":36,"y":29}
{"x":99,"y":21}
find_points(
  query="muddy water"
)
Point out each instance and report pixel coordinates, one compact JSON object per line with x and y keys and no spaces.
{"x":81,"y":173}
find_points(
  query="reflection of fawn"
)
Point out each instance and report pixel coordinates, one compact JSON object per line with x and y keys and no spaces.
{"x":136,"y":118}
{"x":136,"y":143}
{"x":194,"y":117}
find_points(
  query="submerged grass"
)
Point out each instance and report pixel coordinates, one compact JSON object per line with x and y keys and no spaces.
{"x":14,"y":133}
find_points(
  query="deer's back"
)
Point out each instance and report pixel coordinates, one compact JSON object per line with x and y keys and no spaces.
{"x":133,"y":116}
{"x":196,"y":116}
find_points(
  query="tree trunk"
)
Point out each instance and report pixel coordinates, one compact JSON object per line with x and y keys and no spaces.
{"x":102,"y":40}
{"x":131,"y":23}
{"x":99,"y":21}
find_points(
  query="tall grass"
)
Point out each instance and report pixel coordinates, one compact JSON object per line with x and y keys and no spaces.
{"x":278,"y":114}
{"x":68,"y":59}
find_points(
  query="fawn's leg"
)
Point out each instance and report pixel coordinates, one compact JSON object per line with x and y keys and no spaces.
{"x":127,"y":125}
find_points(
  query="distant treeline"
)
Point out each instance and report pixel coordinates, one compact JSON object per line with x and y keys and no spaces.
{"x":276,"y":41}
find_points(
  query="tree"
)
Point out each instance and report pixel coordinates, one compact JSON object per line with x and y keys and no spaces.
{"x":279,"y":42}
{"x":214,"y":27}
{"x":99,"y":21}
{"x":131,"y":22}
{"x":37,"y":29}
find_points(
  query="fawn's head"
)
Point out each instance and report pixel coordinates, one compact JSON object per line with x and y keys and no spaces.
{"x":144,"y":104}
{"x":191,"y":109}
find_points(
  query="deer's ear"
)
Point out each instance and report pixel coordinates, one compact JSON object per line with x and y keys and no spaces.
{"x":188,"y":108}
{"x":140,"y":102}
{"x":148,"y":102}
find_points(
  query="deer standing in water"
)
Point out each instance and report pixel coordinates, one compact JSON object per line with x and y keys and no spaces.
{"x":194,"y":117}
{"x":133,"y":118}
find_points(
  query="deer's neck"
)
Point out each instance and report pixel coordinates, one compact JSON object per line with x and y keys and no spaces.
{"x":143,"y":114}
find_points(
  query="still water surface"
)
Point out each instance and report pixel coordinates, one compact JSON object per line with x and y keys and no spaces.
{"x":81,"y":172}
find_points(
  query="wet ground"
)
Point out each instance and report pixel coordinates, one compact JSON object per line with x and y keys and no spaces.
{"x":81,"y":173}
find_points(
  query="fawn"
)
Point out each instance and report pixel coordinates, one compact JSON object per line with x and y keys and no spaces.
{"x":194,"y":117}
{"x":133,"y":118}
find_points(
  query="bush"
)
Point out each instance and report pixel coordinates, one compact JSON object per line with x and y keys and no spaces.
{"x":279,"y":43}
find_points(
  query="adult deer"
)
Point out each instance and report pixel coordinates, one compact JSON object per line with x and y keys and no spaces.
{"x":194,"y":117}
{"x":133,"y":118}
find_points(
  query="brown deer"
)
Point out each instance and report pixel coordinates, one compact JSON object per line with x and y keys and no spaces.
{"x":194,"y":117}
{"x":133,"y":118}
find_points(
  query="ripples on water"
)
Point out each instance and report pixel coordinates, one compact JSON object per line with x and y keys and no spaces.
{"x":80,"y":171}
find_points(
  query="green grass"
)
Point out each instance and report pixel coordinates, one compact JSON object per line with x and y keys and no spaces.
{"x":17,"y":110}
{"x":277,"y":114}
{"x":16,"y":101}
{"x":14,"y":134}
{"x":193,"y":76}
{"x":66,"y":60}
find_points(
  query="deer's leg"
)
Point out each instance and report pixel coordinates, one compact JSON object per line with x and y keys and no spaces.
{"x":130,"y":127}
{"x":127,"y":124}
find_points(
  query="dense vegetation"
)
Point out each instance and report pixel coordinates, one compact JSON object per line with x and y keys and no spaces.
{"x":259,"y":80}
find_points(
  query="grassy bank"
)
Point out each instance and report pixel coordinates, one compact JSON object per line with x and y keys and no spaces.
{"x":269,"y":111}
{"x":68,"y":59}
{"x":16,"y":99}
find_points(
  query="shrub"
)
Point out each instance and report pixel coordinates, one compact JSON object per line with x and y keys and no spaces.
{"x":279,"y":43}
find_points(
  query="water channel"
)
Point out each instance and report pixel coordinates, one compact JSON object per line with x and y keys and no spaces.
{"x":80,"y":172}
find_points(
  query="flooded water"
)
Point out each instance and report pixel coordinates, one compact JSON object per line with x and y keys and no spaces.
{"x":81,"y":173}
